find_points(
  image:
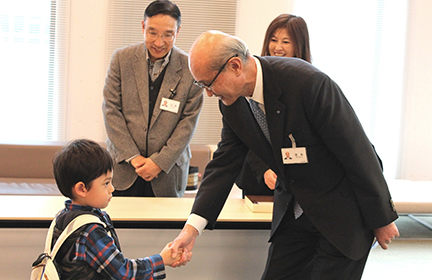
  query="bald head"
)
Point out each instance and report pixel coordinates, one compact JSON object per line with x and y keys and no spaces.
{"x":221,"y":64}
{"x":212,"y":48}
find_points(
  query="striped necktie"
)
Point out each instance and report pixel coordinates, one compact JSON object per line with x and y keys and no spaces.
{"x":262,"y":122}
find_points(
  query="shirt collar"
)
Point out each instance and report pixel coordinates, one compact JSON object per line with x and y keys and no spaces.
{"x":258,"y":93}
{"x":76,"y":207}
{"x":164,"y":60}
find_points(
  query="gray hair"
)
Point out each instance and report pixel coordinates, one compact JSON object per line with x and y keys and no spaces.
{"x":230,"y":46}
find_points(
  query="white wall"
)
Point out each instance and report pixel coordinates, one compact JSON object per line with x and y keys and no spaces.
{"x":88,"y":69}
{"x":87,"y":65}
{"x":253,"y":17}
{"x":417,"y":126}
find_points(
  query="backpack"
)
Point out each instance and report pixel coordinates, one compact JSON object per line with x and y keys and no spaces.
{"x":43,"y":268}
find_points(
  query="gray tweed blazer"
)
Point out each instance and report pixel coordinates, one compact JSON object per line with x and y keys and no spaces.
{"x":166,"y":139}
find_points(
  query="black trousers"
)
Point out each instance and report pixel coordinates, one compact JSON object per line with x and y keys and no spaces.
{"x":140,"y":188}
{"x":300,"y":252}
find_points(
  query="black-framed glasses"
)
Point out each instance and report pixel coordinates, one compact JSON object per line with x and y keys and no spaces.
{"x":203,"y":85}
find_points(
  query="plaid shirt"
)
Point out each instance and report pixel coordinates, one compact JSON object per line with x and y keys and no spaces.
{"x":96,"y":248}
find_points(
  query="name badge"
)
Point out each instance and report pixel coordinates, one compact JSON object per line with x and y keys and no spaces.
{"x":294,"y":155}
{"x":170,"y":105}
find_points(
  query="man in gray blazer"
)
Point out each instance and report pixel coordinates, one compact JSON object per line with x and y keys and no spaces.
{"x":151,"y":108}
{"x":331,"y":199}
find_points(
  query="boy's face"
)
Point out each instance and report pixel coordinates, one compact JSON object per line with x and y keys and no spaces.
{"x":100,"y":192}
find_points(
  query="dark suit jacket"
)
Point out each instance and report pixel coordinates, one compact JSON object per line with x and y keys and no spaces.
{"x":342,"y":189}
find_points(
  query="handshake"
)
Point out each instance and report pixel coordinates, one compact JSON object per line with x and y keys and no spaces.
{"x":175,"y":258}
{"x":179,"y":252}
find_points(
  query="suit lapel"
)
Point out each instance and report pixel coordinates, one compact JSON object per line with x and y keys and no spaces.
{"x":140,"y":68}
{"x":241,"y":120}
{"x":275,"y":111}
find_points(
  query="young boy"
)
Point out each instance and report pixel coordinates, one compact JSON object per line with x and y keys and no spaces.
{"x":83,"y":171}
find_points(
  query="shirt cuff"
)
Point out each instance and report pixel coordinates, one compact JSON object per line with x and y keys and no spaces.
{"x":158,"y":266}
{"x":128,"y":160}
{"x":197,"y":222}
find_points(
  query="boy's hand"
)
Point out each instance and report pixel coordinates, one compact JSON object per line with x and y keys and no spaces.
{"x":167,"y":256}
{"x":183,"y":253}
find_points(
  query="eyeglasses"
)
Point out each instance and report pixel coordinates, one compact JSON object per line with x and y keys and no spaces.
{"x":168,"y":38}
{"x":203,"y":85}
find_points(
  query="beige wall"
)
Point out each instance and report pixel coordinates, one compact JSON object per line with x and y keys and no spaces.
{"x":87,"y":70}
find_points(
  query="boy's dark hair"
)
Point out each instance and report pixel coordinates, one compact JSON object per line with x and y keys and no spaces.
{"x":163,"y":7}
{"x":81,"y":160}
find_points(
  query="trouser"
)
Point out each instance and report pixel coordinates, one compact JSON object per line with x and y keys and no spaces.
{"x":300,"y":252}
{"x":140,"y":188}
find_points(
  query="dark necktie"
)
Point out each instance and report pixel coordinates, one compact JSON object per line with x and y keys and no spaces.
{"x":262,"y":122}
{"x":260,"y":117}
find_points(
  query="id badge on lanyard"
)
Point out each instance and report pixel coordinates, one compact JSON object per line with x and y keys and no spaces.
{"x":294,"y":155}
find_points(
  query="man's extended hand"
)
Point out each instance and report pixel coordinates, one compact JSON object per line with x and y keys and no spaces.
{"x":186,"y":239}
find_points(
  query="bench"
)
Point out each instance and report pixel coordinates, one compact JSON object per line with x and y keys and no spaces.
{"x":26,"y":167}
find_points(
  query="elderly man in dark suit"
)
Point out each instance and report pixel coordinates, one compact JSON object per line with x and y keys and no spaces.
{"x":151,"y":109}
{"x":331,"y":198}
